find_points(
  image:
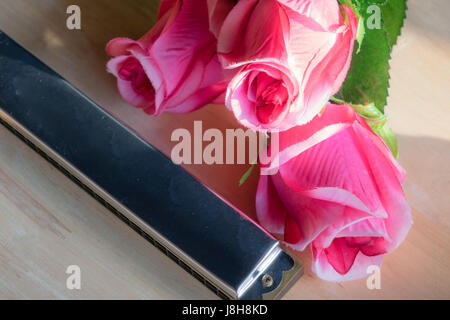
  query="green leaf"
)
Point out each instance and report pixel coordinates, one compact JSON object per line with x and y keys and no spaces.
{"x":393,"y":14}
{"x":246,"y":175}
{"x":360,"y":34}
{"x":386,"y":133}
{"x":368,"y":78}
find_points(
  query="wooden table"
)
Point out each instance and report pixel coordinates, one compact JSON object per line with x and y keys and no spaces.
{"x":48,"y":223}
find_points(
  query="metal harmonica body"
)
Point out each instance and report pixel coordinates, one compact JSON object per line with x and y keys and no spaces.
{"x":170,"y":208}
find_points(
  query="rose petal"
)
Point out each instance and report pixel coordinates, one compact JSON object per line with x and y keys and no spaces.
{"x":325,"y":270}
{"x":177,"y":50}
{"x":324,"y":12}
{"x":391,"y":193}
{"x":140,"y":101}
{"x":338,"y":163}
{"x":257,"y":42}
{"x":269,"y":208}
{"x":378,"y":246}
{"x":218,"y":11}
{"x":340,"y":255}
{"x":325,"y":78}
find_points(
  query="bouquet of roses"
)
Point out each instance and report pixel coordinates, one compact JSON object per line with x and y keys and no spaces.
{"x":315,"y":72}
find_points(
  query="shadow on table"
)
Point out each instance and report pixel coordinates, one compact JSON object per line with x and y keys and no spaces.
{"x":427,"y":164}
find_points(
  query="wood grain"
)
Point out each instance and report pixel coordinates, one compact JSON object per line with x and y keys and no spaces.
{"x":47,"y":223}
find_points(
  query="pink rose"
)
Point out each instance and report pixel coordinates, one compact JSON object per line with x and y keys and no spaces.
{"x":174,"y":67}
{"x":292,"y":56}
{"x":338,"y":189}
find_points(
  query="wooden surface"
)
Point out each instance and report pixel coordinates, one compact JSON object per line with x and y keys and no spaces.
{"x":47,"y":223}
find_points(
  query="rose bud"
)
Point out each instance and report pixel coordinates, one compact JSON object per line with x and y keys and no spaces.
{"x":338,"y":188}
{"x":174,"y":67}
{"x":309,"y":42}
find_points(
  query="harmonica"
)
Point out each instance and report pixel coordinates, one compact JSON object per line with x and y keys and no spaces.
{"x":210,"y":239}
